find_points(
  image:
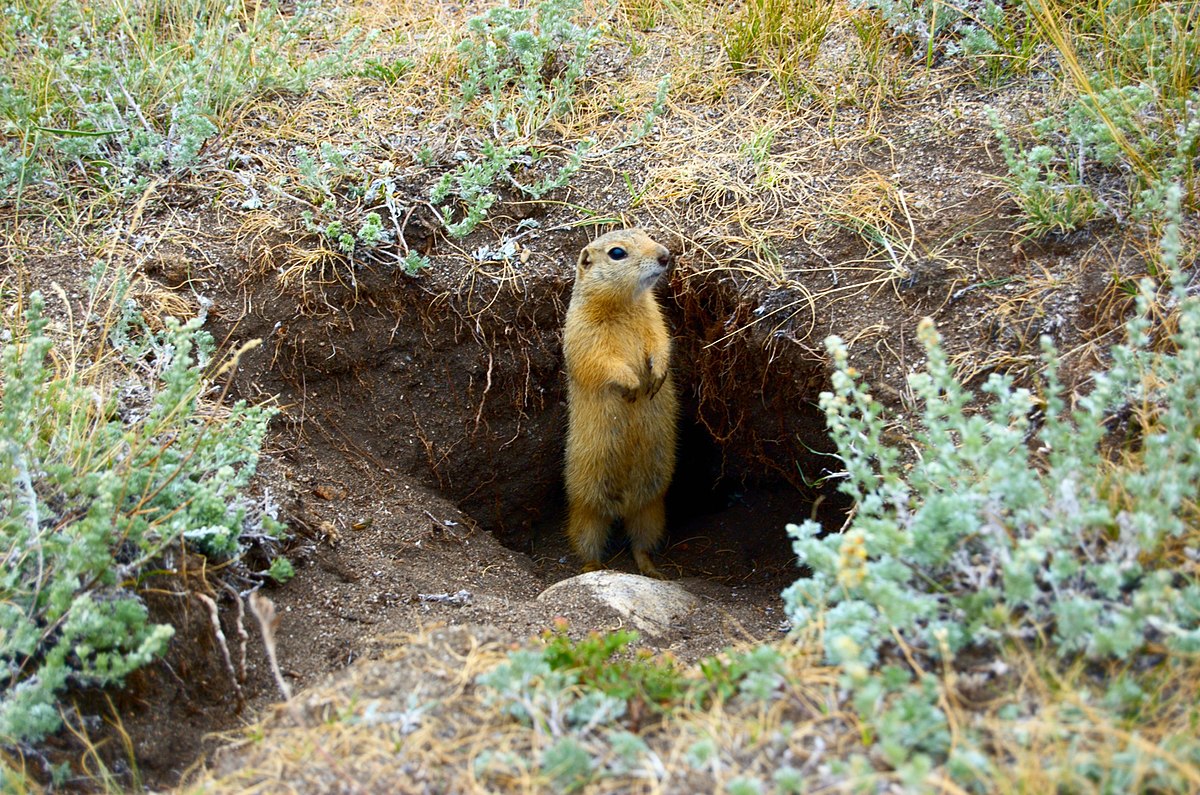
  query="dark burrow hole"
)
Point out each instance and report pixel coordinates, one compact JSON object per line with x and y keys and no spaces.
{"x":725,"y":521}
{"x":465,"y":392}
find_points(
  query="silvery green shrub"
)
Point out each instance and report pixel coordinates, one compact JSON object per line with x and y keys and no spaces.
{"x":98,"y":478}
{"x":521,"y":66}
{"x":1016,"y":522}
{"x":117,"y":94}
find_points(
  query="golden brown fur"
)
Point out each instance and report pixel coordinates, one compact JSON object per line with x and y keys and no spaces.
{"x":621,"y":399}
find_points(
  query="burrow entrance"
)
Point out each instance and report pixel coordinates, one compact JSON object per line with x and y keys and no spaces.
{"x":456,"y":379}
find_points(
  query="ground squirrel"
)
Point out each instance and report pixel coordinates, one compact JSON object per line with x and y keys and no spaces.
{"x":621,"y":400}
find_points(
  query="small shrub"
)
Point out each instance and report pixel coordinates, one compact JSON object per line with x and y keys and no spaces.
{"x":744,"y":785}
{"x":581,"y":695}
{"x":994,"y":33}
{"x":628,"y":751}
{"x":600,"y":662}
{"x":567,"y":764}
{"x":521,"y":67}
{"x":16,"y":171}
{"x":343,"y":187}
{"x":1128,"y":130}
{"x":589,"y":682}
{"x":524,"y":63}
{"x":789,"y":781}
{"x":281,"y":570}
{"x":413,"y":263}
{"x":753,"y":674}
{"x":99,"y":480}
{"x":701,"y":753}
{"x":1046,"y":186}
{"x":1006,"y":530}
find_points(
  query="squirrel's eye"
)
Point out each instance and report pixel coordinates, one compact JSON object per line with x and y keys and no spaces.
{"x":617,"y":253}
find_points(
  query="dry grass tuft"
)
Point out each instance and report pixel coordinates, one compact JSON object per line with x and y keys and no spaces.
{"x":1046,"y":734}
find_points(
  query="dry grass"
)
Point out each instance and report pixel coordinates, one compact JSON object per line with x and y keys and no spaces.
{"x":362,"y":733}
{"x":414,"y":720}
{"x":1063,"y":741}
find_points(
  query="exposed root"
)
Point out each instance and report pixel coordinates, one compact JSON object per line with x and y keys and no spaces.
{"x":215,"y":618}
{"x":264,"y":610}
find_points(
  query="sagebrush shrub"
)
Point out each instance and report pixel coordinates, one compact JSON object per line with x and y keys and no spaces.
{"x":1128,"y":128}
{"x":993,"y":31}
{"x":101,"y":477}
{"x":520,"y":70}
{"x":1021,"y":520}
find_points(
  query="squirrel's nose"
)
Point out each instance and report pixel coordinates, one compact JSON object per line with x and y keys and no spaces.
{"x":664,"y":258}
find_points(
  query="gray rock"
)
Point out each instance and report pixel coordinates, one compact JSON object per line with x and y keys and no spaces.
{"x":652,"y":606}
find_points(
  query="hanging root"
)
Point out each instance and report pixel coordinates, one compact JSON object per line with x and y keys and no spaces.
{"x":215,"y":616}
{"x":264,"y":610}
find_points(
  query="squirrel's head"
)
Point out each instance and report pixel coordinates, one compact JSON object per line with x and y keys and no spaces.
{"x":624,"y":254}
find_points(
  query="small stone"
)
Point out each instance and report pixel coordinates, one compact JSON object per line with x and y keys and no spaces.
{"x":651,"y":605}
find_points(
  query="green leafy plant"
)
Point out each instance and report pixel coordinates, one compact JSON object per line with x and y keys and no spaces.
{"x":581,"y":699}
{"x":602,"y":662}
{"x":579,"y":694}
{"x":607,"y":677}
{"x":568,"y":765}
{"x":101,"y":480}
{"x":331,"y":170}
{"x":347,"y":194}
{"x":1009,"y":530}
{"x":1046,"y":186}
{"x":281,"y":570}
{"x":520,"y":70}
{"x":754,"y":674}
{"x":744,"y":785}
{"x":524,"y":63}
{"x":993,"y":32}
{"x":1127,"y":130}
{"x":413,"y":263}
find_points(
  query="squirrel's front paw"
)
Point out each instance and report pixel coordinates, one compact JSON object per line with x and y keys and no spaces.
{"x":656,"y":385}
{"x":652,"y":381}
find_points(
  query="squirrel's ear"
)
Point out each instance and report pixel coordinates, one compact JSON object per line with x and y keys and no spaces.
{"x":584,"y":260}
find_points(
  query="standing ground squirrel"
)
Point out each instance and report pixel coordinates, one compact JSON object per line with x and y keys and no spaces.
{"x":621,"y":400}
